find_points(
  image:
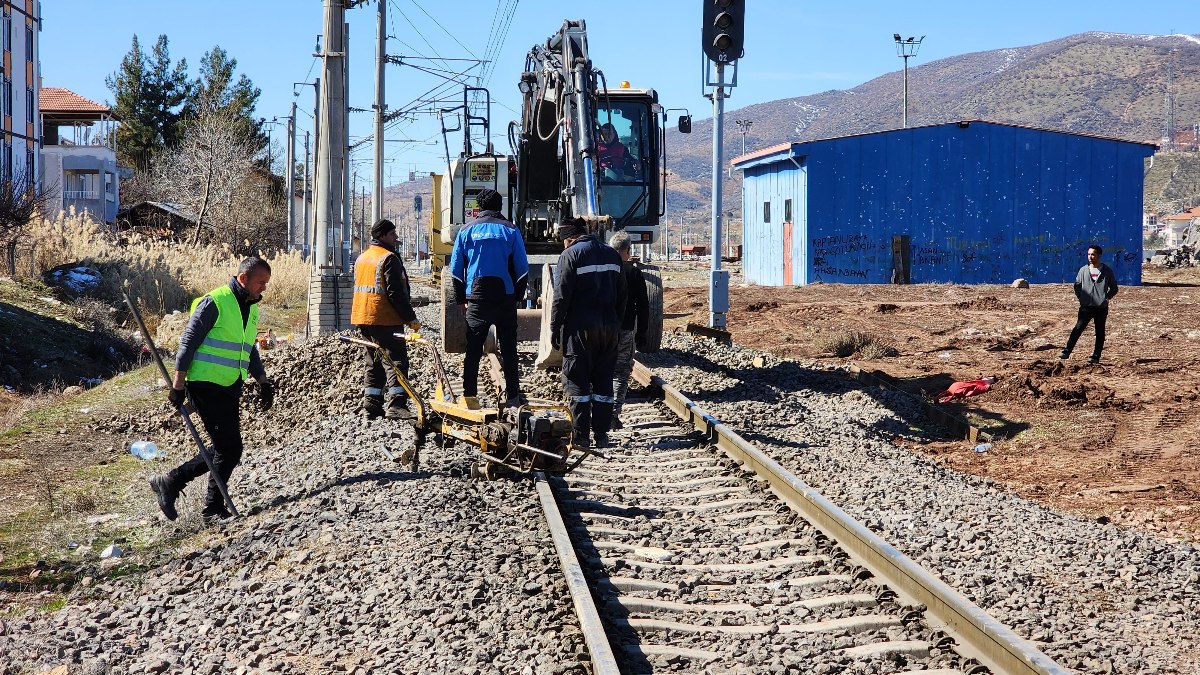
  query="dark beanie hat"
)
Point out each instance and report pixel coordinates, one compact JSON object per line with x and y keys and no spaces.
{"x":382,"y":227}
{"x":572,"y":227}
{"x":489,"y":200}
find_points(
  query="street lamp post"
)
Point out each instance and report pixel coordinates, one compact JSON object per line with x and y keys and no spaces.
{"x":904,"y":49}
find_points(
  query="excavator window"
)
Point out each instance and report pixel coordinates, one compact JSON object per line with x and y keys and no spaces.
{"x":625,"y":150}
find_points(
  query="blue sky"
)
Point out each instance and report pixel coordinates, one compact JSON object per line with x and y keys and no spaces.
{"x":792,"y":48}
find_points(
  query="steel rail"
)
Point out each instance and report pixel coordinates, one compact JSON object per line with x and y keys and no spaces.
{"x":604,"y":662}
{"x":977,"y":634}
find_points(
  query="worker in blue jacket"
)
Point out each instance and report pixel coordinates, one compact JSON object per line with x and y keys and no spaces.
{"x":585,"y":322}
{"x":490,"y":273}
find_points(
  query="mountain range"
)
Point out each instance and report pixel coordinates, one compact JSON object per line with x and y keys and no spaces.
{"x":1107,"y":84}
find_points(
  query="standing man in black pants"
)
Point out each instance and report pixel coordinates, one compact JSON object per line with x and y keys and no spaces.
{"x":1095,"y":285}
{"x":585,"y":321}
{"x":217,"y":353}
{"x":634,"y":324}
{"x":382,"y":307}
{"x":490,"y":273}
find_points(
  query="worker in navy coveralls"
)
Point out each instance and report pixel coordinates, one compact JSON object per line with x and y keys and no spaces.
{"x":585,"y":322}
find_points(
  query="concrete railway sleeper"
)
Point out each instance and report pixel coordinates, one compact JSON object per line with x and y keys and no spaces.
{"x":684,"y":560}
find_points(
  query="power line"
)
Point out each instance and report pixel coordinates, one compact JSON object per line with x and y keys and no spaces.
{"x":419,"y":34}
{"x":439,"y":25}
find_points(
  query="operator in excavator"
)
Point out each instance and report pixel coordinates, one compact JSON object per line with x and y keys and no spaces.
{"x":611,"y":152}
{"x":490,"y":272}
{"x":382,"y":306}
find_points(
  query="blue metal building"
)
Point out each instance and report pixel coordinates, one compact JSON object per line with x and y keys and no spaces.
{"x":964,"y":202}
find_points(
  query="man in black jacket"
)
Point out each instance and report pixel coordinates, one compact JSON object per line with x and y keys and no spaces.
{"x":585,"y":321}
{"x":633,"y":325}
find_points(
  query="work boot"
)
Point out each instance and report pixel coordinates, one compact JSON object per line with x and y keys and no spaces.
{"x":615,"y":424}
{"x":1064,"y":355}
{"x":602,"y":440}
{"x":167,"y":493}
{"x":1094,"y":359}
{"x":215,"y":516}
{"x":397,"y":411}
{"x":581,"y":442}
{"x":516,"y":401}
{"x":373,"y":407}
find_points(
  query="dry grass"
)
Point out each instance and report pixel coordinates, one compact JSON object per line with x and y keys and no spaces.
{"x":843,"y":343}
{"x":162,"y":276}
{"x":14,"y":406}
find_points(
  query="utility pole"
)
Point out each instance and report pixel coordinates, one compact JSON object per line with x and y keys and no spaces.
{"x":345,"y":112}
{"x":306,"y":197}
{"x":417,"y":231}
{"x":380,"y":109}
{"x":906,"y":49}
{"x":290,"y":179}
{"x":316,"y":158}
{"x":743,"y":129}
{"x":329,"y":290}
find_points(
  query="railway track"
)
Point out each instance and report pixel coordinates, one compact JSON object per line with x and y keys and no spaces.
{"x":687,"y":550}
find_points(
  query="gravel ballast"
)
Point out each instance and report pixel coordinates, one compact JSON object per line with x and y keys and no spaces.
{"x":349,"y":562}
{"x":1094,"y":597}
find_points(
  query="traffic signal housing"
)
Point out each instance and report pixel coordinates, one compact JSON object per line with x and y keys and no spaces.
{"x":724,"y":29}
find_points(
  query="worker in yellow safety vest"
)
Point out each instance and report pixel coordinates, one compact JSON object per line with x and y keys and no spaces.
{"x":382,"y":308}
{"x":217,"y":354}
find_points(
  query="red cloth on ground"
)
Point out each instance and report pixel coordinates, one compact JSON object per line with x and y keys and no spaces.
{"x":961,"y":390}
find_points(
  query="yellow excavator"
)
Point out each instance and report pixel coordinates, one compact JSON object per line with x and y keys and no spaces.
{"x":557,"y":171}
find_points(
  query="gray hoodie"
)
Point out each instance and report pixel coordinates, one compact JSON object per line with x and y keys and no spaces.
{"x":1095,"y":293}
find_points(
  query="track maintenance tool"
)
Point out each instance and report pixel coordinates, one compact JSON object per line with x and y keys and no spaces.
{"x":532,"y":436}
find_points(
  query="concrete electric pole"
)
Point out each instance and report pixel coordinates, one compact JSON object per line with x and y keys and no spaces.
{"x":330,"y":290}
{"x":306,"y":197}
{"x":290,"y":178}
{"x":380,"y":110}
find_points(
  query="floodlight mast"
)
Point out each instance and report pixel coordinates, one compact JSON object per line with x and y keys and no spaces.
{"x":906,"y":47}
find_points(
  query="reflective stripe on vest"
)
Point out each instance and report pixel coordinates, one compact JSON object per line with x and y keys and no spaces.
{"x":371,"y":306}
{"x":224,"y":355}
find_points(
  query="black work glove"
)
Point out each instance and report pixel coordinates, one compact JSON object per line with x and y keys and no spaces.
{"x":266,"y":395}
{"x":176,"y":397}
{"x":556,"y":338}
{"x":640,"y":341}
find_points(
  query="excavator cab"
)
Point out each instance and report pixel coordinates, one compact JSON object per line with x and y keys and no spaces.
{"x":627,"y":148}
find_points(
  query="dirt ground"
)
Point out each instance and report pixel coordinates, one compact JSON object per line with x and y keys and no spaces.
{"x":1115,"y":441}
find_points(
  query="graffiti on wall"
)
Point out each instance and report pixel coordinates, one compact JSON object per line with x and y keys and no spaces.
{"x":843,"y":256}
{"x":992,"y":259}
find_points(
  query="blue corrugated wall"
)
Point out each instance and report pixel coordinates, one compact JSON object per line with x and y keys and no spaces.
{"x":982,"y":203}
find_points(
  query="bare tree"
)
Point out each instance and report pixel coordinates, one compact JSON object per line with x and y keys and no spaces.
{"x":213,"y":174}
{"x":21,"y":199}
{"x":206,"y":170}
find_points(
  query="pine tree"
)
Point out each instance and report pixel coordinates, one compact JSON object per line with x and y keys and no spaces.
{"x":149,"y":94}
{"x":216,"y":91}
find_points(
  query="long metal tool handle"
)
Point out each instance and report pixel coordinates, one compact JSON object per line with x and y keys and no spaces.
{"x":182,"y":410}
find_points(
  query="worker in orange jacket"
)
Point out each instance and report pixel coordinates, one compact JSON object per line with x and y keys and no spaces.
{"x":382,"y":307}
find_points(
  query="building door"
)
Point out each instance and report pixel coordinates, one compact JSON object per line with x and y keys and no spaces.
{"x":787,"y":253}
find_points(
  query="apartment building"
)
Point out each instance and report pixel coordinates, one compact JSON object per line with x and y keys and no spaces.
{"x":21,"y":27}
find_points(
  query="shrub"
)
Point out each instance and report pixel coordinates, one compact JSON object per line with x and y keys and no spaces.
{"x":843,"y":343}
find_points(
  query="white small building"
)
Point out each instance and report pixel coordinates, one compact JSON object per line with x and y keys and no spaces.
{"x":79,"y":164}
